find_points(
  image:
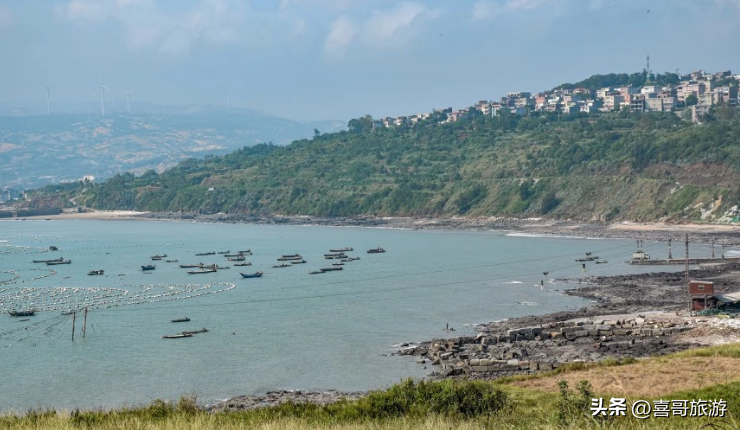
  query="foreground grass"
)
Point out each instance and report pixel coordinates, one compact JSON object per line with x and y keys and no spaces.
{"x":452,"y":404}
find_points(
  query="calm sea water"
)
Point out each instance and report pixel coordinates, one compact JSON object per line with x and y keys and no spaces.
{"x":286,"y":330}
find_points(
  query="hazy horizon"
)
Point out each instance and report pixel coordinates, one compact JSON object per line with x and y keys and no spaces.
{"x":311,"y":60}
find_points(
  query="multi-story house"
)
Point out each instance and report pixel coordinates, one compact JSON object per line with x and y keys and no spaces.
{"x":612,"y":101}
{"x":654,"y":104}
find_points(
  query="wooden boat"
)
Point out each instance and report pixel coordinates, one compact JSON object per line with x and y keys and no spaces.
{"x":291,"y":255}
{"x":335,"y":257}
{"x":341,"y":249}
{"x":148,"y":267}
{"x":331,"y":269}
{"x":353,"y":258}
{"x":54,"y":263}
{"x":49,"y":261}
{"x":337,"y":264}
{"x":251,"y":275}
{"x":191,"y":266}
{"x":298,"y":262}
{"x":290,"y":258}
{"x":205,"y":253}
{"x":237,"y":258}
{"x":243,"y":264}
{"x":177,"y":336}
{"x":600,"y":261}
{"x":198,"y":272}
{"x":203,"y":330}
{"x":280,"y":266}
{"x":170,"y":261}
{"x":315,"y":272}
{"x":224,"y":252}
{"x":27,"y":313}
{"x":377,"y":250}
{"x":186,"y":319}
{"x":96,"y":272}
{"x":247,"y":252}
{"x":158,"y":257}
{"x":335,"y":254}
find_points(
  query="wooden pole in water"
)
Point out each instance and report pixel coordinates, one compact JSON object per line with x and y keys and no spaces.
{"x":74,"y":316}
{"x":712,"y":247}
{"x":669,"y":249}
{"x":688,"y":281}
{"x":84,"y":324}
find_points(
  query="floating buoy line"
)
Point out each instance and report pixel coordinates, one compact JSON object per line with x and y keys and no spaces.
{"x":66,"y":299}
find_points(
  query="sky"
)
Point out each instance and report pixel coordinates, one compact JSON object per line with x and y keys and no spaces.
{"x":338,"y":59}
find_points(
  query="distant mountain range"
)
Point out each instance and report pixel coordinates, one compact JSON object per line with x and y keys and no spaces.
{"x":37,"y":150}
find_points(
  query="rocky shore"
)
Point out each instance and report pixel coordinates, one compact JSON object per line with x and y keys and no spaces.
{"x":634,"y":316}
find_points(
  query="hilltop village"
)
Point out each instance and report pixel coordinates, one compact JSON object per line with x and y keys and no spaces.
{"x":691,"y":96}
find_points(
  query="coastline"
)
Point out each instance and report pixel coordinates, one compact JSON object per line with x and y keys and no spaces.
{"x":653,"y":298}
{"x":724,"y":234}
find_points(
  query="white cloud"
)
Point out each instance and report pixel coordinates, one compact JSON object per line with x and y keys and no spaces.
{"x":148,"y":25}
{"x":342,"y":32}
{"x":383,"y":28}
{"x":331,"y":4}
{"x":489,"y":8}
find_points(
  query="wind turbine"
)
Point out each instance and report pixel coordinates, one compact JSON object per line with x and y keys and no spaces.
{"x":102,"y":89}
{"x":128,"y":102}
{"x":48,"y":101}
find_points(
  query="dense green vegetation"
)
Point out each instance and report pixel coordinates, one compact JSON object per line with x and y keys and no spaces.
{"x":609,"y":166}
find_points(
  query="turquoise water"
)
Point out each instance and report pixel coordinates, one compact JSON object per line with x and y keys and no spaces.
{"x":286,"y":330}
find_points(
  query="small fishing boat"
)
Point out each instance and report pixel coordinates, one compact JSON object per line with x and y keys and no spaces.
{"x":377,"y":250}
{"x":247,"y":252}
{"x":315,"y":272}
{"x":335,"y":254}
{"x":177,"y":336}
{"x":291,"y":255}
{"x":290,"y":258}
{"x":205,"y":253}
{"x":251,"y":275}
{"x":337,"y":264}
{"x":331,"y":269}
{"x":186,"y":319}
{"x":96,"y":272}
{"x":158,"y":257}
{"x":298,"y":262}
{"x":198,"y":272}
{"x":353,"y":258}
{"x":243,"y":264}
{"x":203,"y":330}
{"x":280,"y":266}
{"x":53,"y":248}
{"x":148,"y":267}
{"x":170,"y":261}
{"x":54,"y":263}
{"x":224,"y":252}
{"x":191,"y":266}
{"x":237,"y":258}
{"x":26,"y":313}
{"x":335,"y":257}
{"x":49,"y":261}
{"x":600,"y":261}
{"x":341,"y":249}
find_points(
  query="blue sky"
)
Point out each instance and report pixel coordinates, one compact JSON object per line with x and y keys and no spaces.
{"x":338,"y":59}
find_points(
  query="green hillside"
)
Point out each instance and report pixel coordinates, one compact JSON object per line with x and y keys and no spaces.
{"x":608,"y":167}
